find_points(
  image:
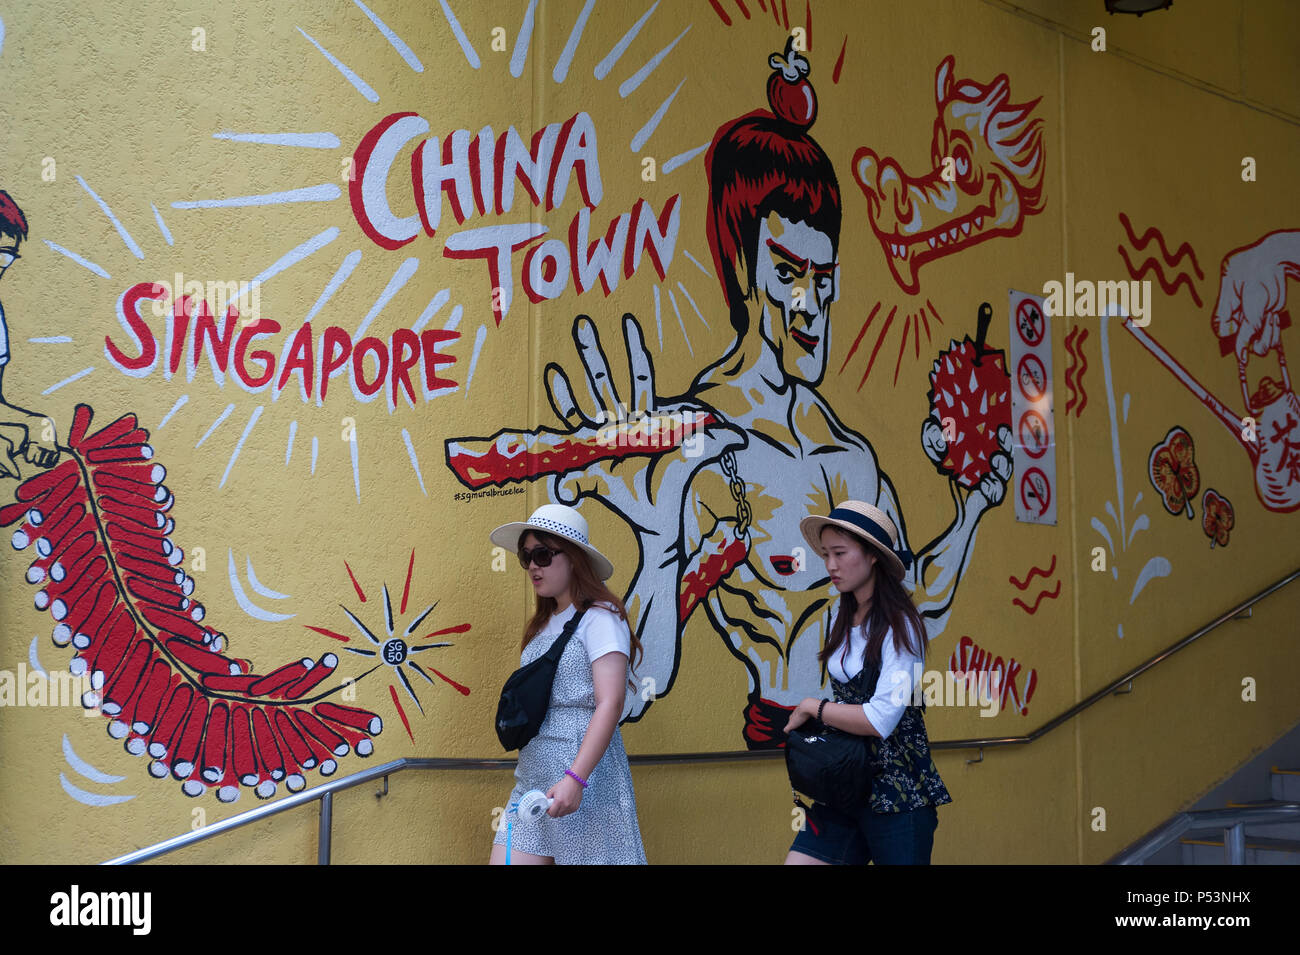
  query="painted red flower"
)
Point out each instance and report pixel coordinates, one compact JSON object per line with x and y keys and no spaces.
{"x":1216,"y":517}
{"x":1172,"y":469}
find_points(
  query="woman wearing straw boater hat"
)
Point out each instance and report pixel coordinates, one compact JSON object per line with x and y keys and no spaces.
{"x":873,"y":656}
{"x":577,"y":757}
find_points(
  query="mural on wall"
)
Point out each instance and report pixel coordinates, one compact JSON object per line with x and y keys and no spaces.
{"x":1248,"y":319}
{"x":987,"y":175}
{"x":28,"y":435}
{"x":1172,"y":469}
{"x":1076,"y":393}
{"x":478,"y":231}
{"x":1044,"y":594}
{"x":113,"y":582}
{"x":1217,"y":518}
{"x":716,"y":513}
{"x":710,"y":476}
{"x":115,"y":585}
{"x":97,"y":526}
{"x":985,"y":673}
{"x":1126,"y":519}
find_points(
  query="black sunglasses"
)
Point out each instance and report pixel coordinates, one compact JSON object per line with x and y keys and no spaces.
{"x":540,"y":554}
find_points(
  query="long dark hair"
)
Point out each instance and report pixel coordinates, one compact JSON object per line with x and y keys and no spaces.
{"x":891,"y":608}
{"x":585,"y":587}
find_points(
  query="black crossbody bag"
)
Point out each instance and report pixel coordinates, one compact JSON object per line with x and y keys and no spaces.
{"x":832,"y":766}
{"x":527,"y":693}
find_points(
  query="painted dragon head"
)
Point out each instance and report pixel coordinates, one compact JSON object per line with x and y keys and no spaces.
{"x":987,"y":156}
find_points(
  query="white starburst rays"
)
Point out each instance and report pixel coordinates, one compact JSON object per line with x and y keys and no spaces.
{"x":329,"y":192}
{"x":395,"y":651}
{"x":517,"y":65}
{"x":132,"y":246}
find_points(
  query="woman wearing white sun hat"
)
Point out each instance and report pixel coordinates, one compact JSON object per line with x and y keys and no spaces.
{"x":874,"y":649}
{"x":577,"y":757}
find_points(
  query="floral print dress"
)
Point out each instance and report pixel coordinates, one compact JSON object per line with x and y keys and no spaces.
{"x":907,"y":778}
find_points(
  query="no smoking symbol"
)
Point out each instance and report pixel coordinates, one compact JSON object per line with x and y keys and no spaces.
{"x":1035,"y":492}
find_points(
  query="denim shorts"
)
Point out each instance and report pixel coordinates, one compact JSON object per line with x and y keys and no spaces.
{"x":885,"y":838}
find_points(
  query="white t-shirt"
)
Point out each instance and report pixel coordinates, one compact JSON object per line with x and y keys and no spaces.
{"x":899,"y":674}
{"x":601,"y":631}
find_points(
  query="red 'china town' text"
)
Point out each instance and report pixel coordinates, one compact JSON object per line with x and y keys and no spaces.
{"x":477,"y":174}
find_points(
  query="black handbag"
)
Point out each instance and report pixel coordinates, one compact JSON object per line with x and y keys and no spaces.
{"x":833,"y":766}
{"x":527,"y":693}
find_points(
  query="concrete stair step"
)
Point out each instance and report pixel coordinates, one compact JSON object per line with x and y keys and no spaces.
{"x":1285,"y":830}
{"x":1285,"y":784}
{"x":1207,"y":849}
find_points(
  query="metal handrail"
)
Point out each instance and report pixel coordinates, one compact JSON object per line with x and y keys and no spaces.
{"x":1119,"y":681}
{"x":325,"y":792}
{"x":1232,"y":821}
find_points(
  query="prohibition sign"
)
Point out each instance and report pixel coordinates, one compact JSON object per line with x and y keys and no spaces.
{"x":1033,"y":433}
{"x":1031,"y":377}
{"x":1030,"y":323}
{"x":1035,"y":492}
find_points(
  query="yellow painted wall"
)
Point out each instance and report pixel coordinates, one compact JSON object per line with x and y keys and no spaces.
{"x":124,"y":103}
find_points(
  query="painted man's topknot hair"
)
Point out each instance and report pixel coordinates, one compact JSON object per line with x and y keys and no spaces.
{"x":789,"y":92}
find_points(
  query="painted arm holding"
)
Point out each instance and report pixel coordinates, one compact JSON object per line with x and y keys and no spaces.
{"x":936,"y":568}
{"x":34,"y":445}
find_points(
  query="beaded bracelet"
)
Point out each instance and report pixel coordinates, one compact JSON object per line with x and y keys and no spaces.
{"x":582,"y":782}
{"x":819,"y":710}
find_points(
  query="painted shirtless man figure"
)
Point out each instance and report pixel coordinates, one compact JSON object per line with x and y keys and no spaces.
{"x":24,"y":435}
{"x":717,"y":521}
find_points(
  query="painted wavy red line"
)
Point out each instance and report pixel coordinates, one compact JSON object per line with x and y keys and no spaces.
{"x":1034,"y":572}
{"x":1141,"y":243}
{"x":1069,"y":369}
{"x":1151,"y":265}
{"x":1042,"y":595}
{"x":1078,"y":375}
{"x":1074,"y":373}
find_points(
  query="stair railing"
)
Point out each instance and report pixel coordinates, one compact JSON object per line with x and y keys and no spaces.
{"x":1233,"y":819}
